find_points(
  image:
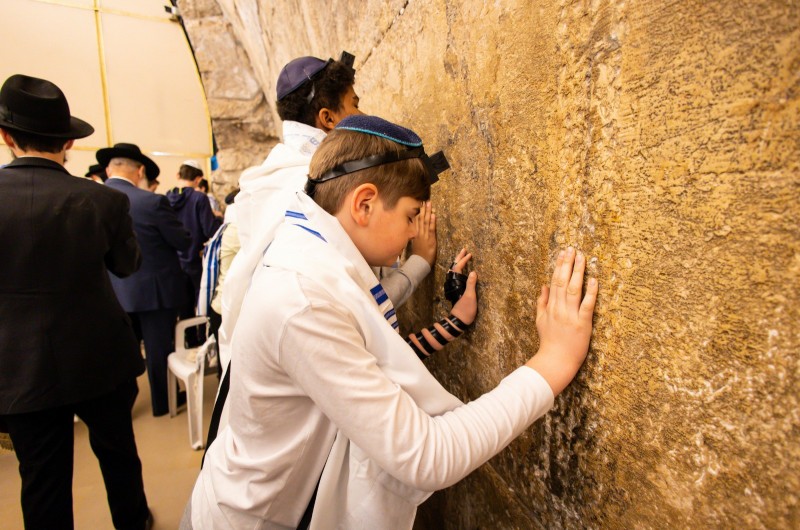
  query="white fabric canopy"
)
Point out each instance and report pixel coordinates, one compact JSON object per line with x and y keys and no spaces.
{"x":124,"y":66}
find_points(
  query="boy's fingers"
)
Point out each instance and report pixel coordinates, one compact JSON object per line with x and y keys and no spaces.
{"x":589,"y":300}
{"x":562,"y":272}
{"x":461,"y":263}
{"x":472,"y":282}
{"x":541,"y":302}
{"x":432,"y":226}
{"x":575,"y":285}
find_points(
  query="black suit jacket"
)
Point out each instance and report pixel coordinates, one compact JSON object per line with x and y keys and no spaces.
{"x":160,"y":282}
{"x":63,"y":336}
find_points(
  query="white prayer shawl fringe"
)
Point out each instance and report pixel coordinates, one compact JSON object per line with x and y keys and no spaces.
{"x":354,"y":492}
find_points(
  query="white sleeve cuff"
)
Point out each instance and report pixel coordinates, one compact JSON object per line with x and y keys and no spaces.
{"x":532,"y":389}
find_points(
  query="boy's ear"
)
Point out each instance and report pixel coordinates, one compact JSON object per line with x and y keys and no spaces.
{"x":7,"y":139}
{"x":362,"y":203}
{"x":326,"y":119}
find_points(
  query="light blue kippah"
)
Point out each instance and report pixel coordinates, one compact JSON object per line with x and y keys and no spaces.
{"x":379,"y":127}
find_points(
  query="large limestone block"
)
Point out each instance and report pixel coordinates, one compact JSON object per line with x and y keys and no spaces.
{"x":661,"y":140}
{"x":242,"y":120}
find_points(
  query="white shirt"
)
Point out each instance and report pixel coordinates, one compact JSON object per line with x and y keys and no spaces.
{"x":265,"y":192}
{"x":300,"y":371}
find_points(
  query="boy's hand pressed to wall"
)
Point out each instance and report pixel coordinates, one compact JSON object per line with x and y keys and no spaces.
{"x":467,"y":306}
{"x":424,"y":245}
{"x":564,"y":321}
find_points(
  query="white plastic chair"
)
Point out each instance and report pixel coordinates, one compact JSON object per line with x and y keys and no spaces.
{"x":189,"y":365}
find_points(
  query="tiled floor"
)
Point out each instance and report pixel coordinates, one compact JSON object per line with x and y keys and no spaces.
{"x":169,"y":463}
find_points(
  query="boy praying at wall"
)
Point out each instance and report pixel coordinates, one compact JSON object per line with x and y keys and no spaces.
{"x":334,"y":420}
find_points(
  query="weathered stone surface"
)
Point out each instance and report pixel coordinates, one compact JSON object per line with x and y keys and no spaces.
{"x":194,"y":9}
{"x":663,"y":141}
{"x":242,"y":121}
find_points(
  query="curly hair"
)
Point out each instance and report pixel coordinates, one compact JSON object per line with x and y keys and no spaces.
{"x":329,"y":85}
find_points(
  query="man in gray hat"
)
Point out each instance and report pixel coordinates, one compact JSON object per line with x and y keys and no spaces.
{"x":66,"y":346}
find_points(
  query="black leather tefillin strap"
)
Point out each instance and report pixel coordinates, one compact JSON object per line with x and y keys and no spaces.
{"x":455,"y":284}
{"x":434,"y":164}
{"x":452,"y":325}
{"x":458,"y":322}
{"x":419,"y":353}
{"x":438,"y":337}
{"x":427,"y":347}
{"x":450,"y":328}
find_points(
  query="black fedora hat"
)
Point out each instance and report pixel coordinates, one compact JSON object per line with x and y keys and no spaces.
{"x":132,"y":151}
{"x":37,"y":106}
{"x":95,"y":169}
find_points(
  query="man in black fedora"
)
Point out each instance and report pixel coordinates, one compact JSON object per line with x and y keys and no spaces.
{"x":66,"y":346}
{"x":153,"y":294}
{"x":97,"y":173}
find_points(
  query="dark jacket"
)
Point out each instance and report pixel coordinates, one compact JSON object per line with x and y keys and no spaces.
{"x":159,"y":283}
{"x":63,"y":336}
{"x":194,"y":211}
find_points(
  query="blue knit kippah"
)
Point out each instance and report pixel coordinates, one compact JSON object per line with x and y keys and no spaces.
{"x":300,"y":71}
{"x":375,"y":126}
{"x":379,"y":127}
{"x":297,"y":73}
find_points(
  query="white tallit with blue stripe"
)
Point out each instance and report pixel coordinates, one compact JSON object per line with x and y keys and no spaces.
{"x":210,"y":277}
{"x":313,"y":243}
{"x":385,"y":306}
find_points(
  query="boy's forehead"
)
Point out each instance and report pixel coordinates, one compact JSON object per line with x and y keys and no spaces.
{"x":410,"y":203}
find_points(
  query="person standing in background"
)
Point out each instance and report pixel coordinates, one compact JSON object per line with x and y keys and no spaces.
{"x":215,"y":207}
{"x":152,"y":295}
{"x":66,"y":346}
{"x":194,"y":211}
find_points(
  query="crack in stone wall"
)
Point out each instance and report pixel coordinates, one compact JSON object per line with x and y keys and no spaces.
{"x":661,"y":139}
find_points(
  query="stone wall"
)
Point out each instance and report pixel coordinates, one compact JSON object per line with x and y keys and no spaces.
{"x":661,"y":139}
{"x":241,"y":117}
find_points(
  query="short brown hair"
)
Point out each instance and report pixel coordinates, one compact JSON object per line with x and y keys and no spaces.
{"x":188,"y":172}
{"x":404,"y":178}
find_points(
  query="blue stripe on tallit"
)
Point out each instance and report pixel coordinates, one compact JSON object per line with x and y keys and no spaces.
{"x":307,"y":229}
{"x":385,"y":305}
{"x":211,"y":271}
{"x":296,"y":215}
{"x":379,"y":294}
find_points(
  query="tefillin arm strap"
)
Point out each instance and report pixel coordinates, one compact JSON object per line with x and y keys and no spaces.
{"x":440,"y":333}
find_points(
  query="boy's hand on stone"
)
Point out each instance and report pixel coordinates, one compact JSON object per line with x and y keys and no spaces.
{"x":467,"y":306}
{"x":424,"y":245}
{"x":564,"y":321}
{"x":461,"y":261}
